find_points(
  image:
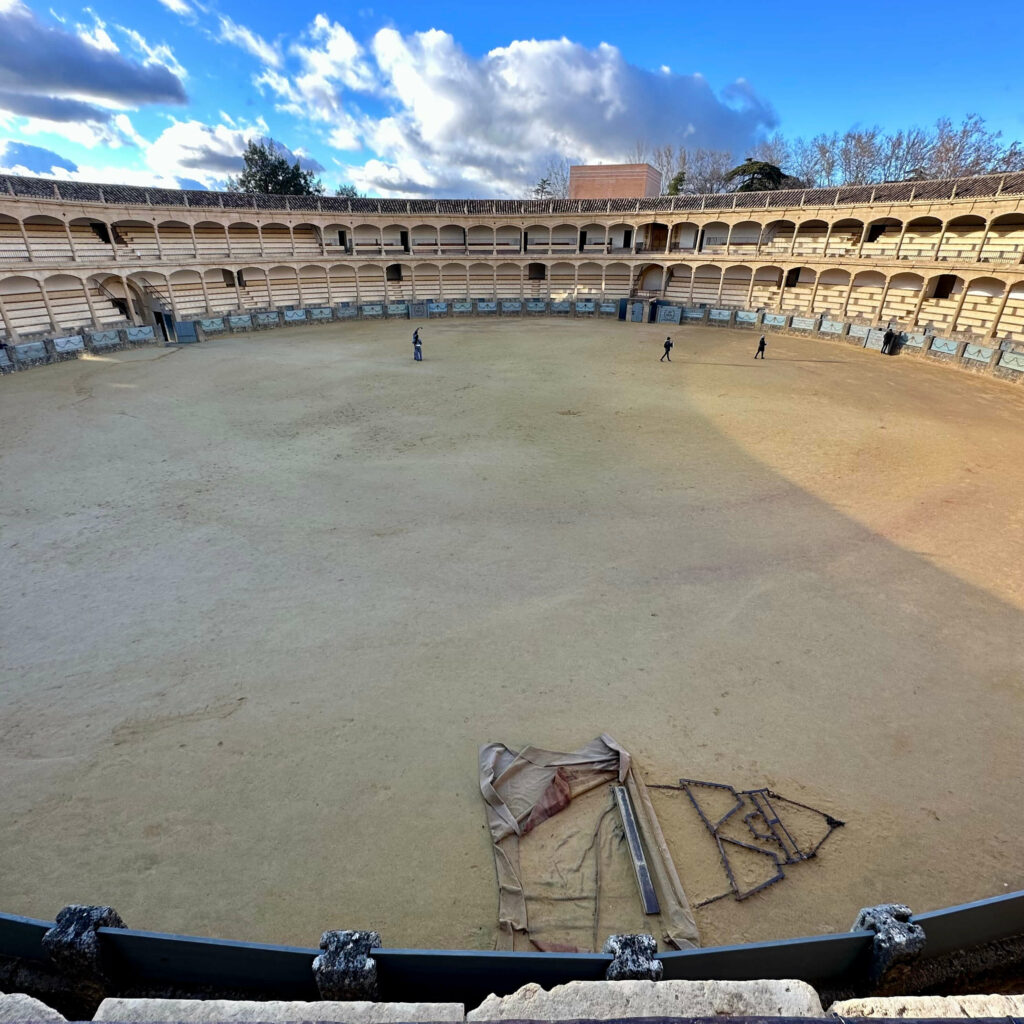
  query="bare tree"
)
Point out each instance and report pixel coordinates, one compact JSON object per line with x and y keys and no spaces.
{"x":774,"y":150}
{"x":557,"y":174}
{"x":706,"y":169}
{"x":639,"y":153}
{"x":968,"y":149}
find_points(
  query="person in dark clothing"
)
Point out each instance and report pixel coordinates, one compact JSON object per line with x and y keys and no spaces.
{"x":887,"y":339}
{"x":417,"y":346}
{"x":760,"y":348}
{"x":668,"y":349}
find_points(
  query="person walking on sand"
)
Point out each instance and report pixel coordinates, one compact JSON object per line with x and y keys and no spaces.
{"x":668,"y":349}
{"x":417,"y":346}
{"x":760,"y":348}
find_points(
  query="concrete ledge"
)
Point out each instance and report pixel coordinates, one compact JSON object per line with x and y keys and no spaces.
{"x":608,"y":1000}
{"x":17,"y":1007}
{"x":159,"y":1011}
{"x":931,"y":1006}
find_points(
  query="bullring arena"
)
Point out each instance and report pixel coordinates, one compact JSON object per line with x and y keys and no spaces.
{"x":264,"y":596}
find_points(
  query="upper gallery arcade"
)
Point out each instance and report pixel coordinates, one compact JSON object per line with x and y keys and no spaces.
{"x":941,"y":253}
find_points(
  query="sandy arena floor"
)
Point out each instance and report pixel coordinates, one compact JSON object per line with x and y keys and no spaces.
{"x":261,"y":599}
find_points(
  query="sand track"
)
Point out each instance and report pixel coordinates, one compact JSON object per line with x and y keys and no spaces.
{"x":261,"y":601}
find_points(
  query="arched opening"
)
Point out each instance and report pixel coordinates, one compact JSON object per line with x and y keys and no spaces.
{"x":135,"y":240}
{"x":981,"y":303}
{"x":92,"y":239}
{"x":424,"y":239}
{"x":507,"y":281}
{"x":453,"y":240}
{"x":175,"y":241}
{"x":714,"y":238}
{"x":921,"y":238}
{"x":1005,"y":241}
{"x":798,"y":289}
{"x":68,"y":302}
{"x":12,"y":245}
{"x":735,"y":285}
{"x":620,"y":238}
{"x":211,"y":240}
{"x":428,"y":282}
{"x":777,"y":238}
{"x":652,"y":237}
{"x":588,"y":279}
{"x":649,"y":280}
{"x":942,"y":294}
{"x":220,"y":288}
{"x":396,"y":239}
{"x":901,"y":298}
{"x":189,"y":298}
{"x":253,"y":283}
{"x":366,"y":240}
{"x":343,"y":283}
{"x":307,"y":240}
{"x":810,"y":238}
{"x":831,"y":294}
{"x":564,"y":238}
{"x":399,"y":282}
{"x":47,"y":239}
{"x":684,"y":237}
{"x":1011,"y":323}
{"x":592,"y":238}
{"x":706,"y":282}
{"x":26,"y":310}
{"x":845,"y":237}
{"x":561,"y":280}
{"x":865,"y":294}
{"x":244,"y":241}
{"x":277,"y":241}
{"x":882,"y":238}
{"x":962,"y":239}
{"x":743,"y":238}
{"x":371,"y":283}
{"x":616,"y":280}
{"x":481,"y":280}
{"x":678,"y":287}
{"x":537,"y":239}
{"x":508,"y":240}
{"x":313,"y":281}
{"x":454,"y":281}
{"x":765,"y":293}
{"x":480,"y":240}
{"x":337,"y":239}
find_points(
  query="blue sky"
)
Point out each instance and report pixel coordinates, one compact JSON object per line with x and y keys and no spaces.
{"x":454,"y":98}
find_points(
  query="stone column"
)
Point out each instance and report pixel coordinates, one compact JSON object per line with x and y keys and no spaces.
{"x":993,"y":330}
{"x":11,"y":329}
{"x":192,"y":235}
{"x":206,"y":294}
{"x":881,"y":302}
{"x":238,"y":291}
{"x":959,"y":306}
{"x":298,"y":285}
{"x":291,"y":236}
{"x":899,"y":243}
{"x":92,"y":308}
{"x":721,"y":286}
{"x":750,"y":287}
{"x":938,"y":245}
{"x":828,"y":238}
{"x":330,"y":292}
{"x":814,"y":290}
{"x":259,"y":233}
{"x":159,"y":247}
{"x":130,"y":304}
{"x":863,"y":239}
{"x":24,"y":238}
{"x":170,"y":295}
{"x":49,"y":308}
{"x":920,"y":303}
{"x":984,"y":239}
{"x":71,"y":243}
{"x":849,"y":292}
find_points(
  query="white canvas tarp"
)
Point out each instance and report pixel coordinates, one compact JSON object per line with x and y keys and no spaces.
{"x":565,"y":876}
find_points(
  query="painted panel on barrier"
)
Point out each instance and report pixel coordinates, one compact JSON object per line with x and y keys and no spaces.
{"x":462,"y":306}
{"x":212,"y":324}
{"x":137,"y":333}
{"x":774,"y":320}
{"x":320,"y":312}
{"x":608,"y":307}
{"x":105,"y":339}
{"x":831,"y":327}
{"x":802,"y":323}
{"x":293,"y":315}
{"x":511,"y":306}
{"x":536,"y":305}
{"x":945,"y":345}
{"x":1012,"y":361}
{"x":29,"y":350}
{"x":691,"y":313}
{"x":348,"y":312}
{"x":72,"y":343}
{"x":585,"y":306}
{"x":240,"y":321}
{"x":437,"y":308}
{"x":373,"y":309}
{"x":858,"y":331}
{"x":398,"y":309}
{"x":978,"y":353}
{"x":669,"y":314}
{"x":560,"y":306}
{"x":5,"y":360}
{"x":720,"y":314}
{"x":636,"y":312}
{"x":267,"y":319}
{"x":486,"y":306}
{"x":875,"y":339}
{"x":912,"y":340}
{"x":417,"y":309}
{"x":745,"y":316}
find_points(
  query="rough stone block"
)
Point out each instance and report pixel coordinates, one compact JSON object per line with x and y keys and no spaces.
{"x":931,"y":1006}
{"x":608,"y":1000}
{"x":227,"y":1011}
{"x":17,"y":1007}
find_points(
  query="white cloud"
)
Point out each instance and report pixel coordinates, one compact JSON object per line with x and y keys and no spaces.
{"x":205,"y":152}
{"x":239,"y":35}
{"x":160,"y":54}
{"x":178,"y":7}
{"x":96,"y":36}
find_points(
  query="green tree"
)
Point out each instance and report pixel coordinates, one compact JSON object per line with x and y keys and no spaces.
{"x":675,"y":185}
{"x":757,"y":176}
{"x":268,"y":172}
{"x":348,"y":192}
{"x":542,"y":190}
